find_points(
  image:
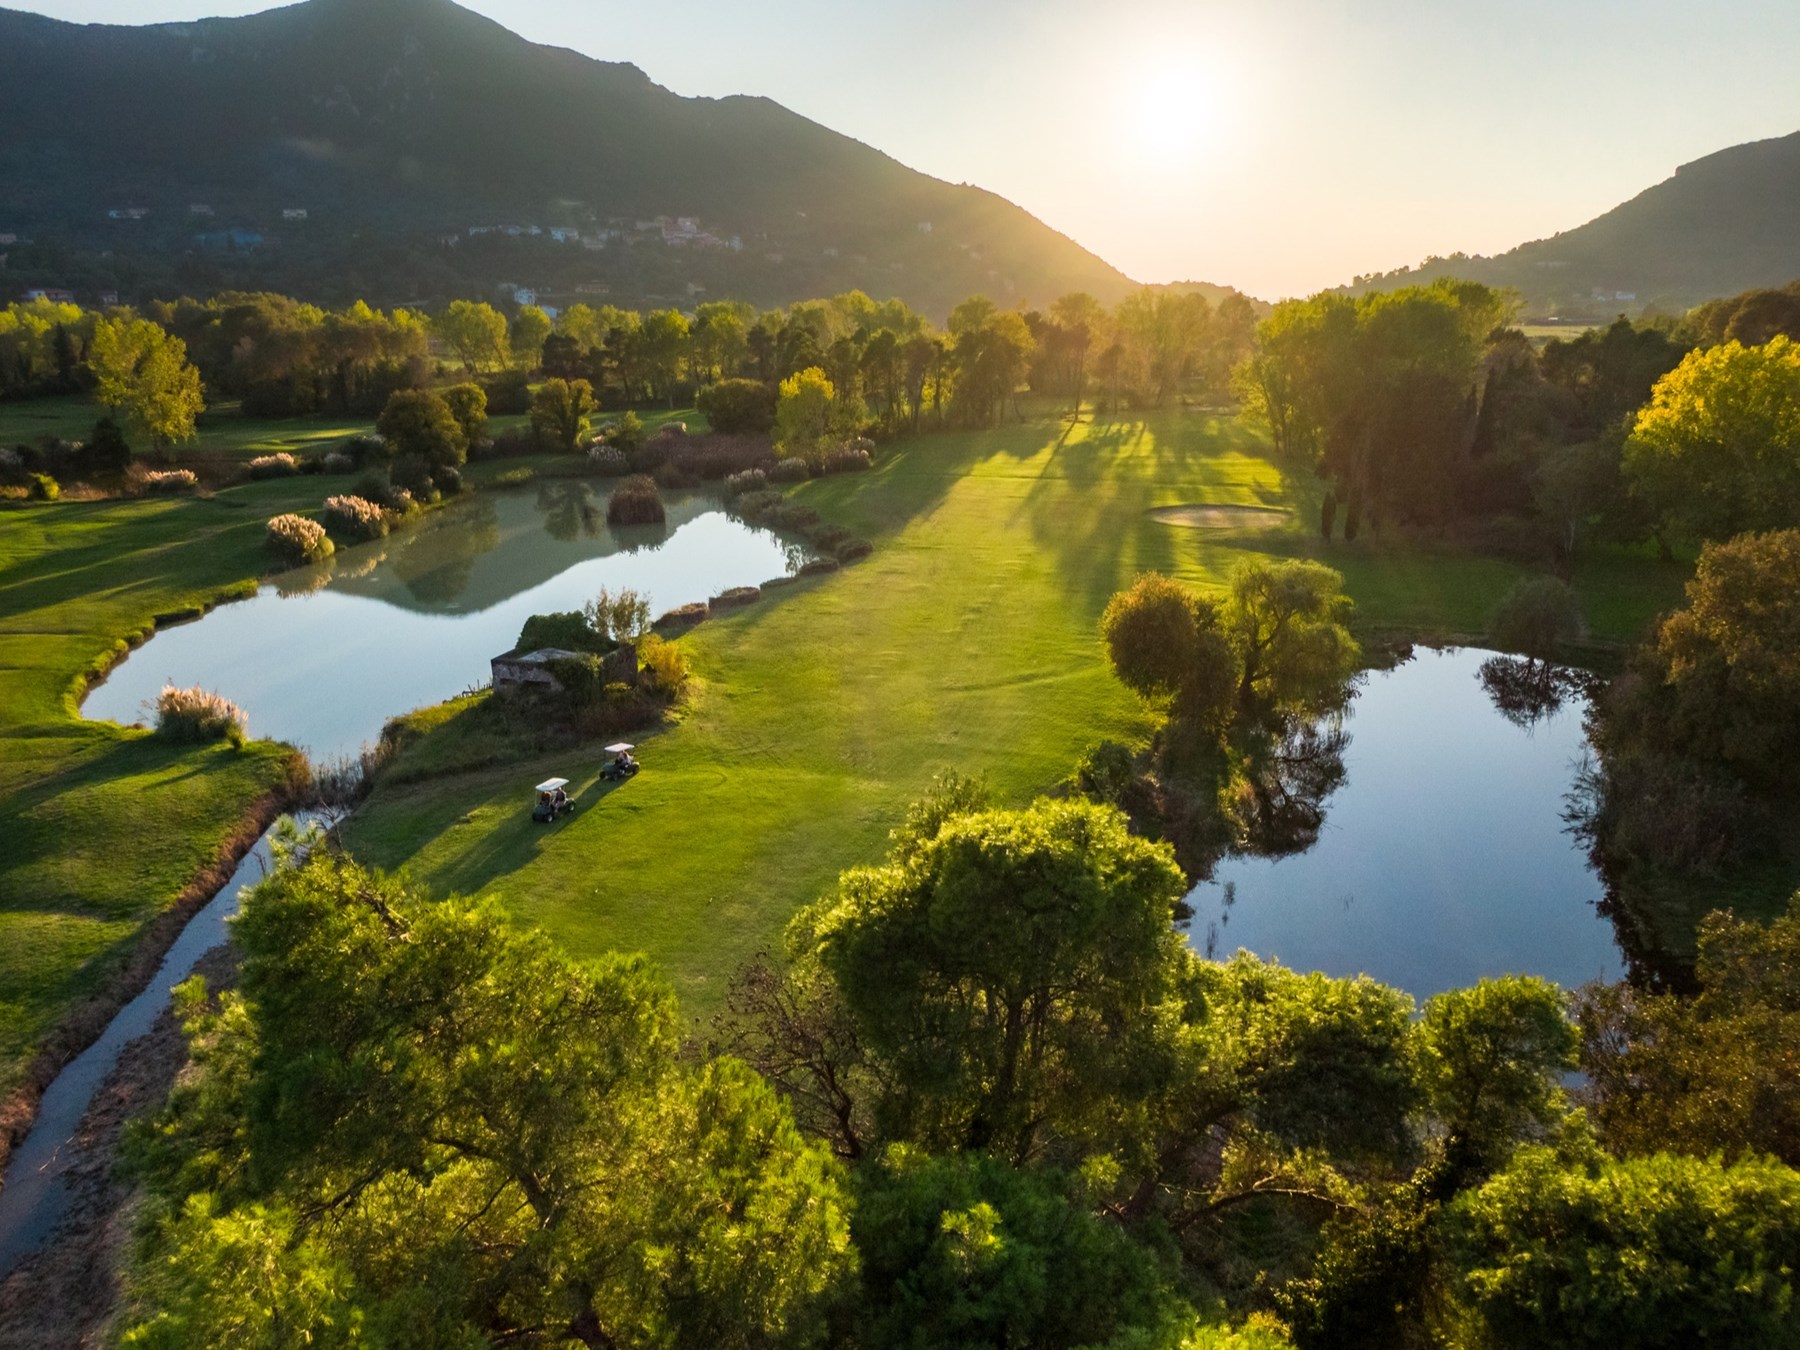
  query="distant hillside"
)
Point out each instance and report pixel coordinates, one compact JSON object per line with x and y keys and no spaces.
{"x":186,"y":151}
{"x":1213,"y":293}
{"x":1727,"y":223}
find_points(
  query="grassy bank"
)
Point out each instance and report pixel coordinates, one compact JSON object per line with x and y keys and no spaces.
{"x":105,"y":826}
{"x":967,"y":641}
{"x":223,"y":434}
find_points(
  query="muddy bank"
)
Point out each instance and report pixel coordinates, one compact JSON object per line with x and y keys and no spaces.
{"x":82,"y":1027}
{"x":68,"y":1293}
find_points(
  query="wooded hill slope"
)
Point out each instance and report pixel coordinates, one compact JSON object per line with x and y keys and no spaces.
{"x":396,"y":124}
{"x":1726,"y":223}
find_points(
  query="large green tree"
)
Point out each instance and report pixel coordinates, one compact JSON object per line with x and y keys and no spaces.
{"x":143,"y":372}
{"x":1715,"y":1072}
{"x":1002,"y":964}
{"x":1717,"y":451}
{"x":477,"y":333}
{"x":419,"y":422}
{"x":562,"y":413}
{"x":1637,"y":1255}
{"x":1285,"y":621}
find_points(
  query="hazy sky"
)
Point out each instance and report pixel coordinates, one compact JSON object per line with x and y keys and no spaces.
{"x":1277,"y":145}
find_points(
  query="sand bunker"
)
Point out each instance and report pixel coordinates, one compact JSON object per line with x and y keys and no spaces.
{"x":1199,"y":516}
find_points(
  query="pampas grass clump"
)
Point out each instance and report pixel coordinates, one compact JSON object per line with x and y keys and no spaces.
{"x":357,"y":517}
{"x":296,"y":539}
{"x":282,"y":465}
{"x":636,"y":501}
{"x":166,"y":480}
{"x":198,"y":715}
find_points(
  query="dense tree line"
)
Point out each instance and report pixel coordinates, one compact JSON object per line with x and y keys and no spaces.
{"x":1422,"y":407}
{"x":989,"y":1098}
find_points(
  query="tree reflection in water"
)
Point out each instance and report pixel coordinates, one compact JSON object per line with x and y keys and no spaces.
{"x":1525,"y":692}
{"x":1291,"y":770}
{"x":1260,"y":793}
{"x":435,"y":563}
{"x":569,"y":510}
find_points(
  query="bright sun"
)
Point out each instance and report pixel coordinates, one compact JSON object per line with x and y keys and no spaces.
{"x":1173,"y":113}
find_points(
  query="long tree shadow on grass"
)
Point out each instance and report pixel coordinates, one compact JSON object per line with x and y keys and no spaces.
{"x":1090,"y":512}
{"x":138,"y":789}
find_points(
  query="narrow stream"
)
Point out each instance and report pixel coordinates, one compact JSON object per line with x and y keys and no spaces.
{"x":36,"y":1194}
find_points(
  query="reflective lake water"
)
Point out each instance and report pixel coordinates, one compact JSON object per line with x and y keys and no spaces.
{"x":322,"y":657}
{"x":1443,"y":855}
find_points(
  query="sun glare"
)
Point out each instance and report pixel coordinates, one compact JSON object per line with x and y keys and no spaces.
{"x":1174,"y":112}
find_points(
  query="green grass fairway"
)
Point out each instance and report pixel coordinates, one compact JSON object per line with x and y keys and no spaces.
{"x":223,"y":434}
{"x":102,"y":826}
{"x":220,"y":434}
{"x":968,"y":641}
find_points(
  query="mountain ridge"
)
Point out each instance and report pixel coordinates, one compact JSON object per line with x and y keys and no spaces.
{"x":419,"y":117}
{"x":1721,"y":224}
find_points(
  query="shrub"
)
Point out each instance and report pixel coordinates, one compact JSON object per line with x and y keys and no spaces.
{"x":608,"y":461}
{"x":739,"y":407}
{"x":731,"y":599}
{"x":447,"y":479}
{"x":375,"y":487}
{"x":847,"y":459}
{"x":107,"y":454}
{"x":750,"y":480}
{"x":622,"y":615}
{"x":468,"y":404}
{"x":790,"y":471}
{"x":43,"y":488}
{"x":662,"y":666}
{"x":198,"y":715}
{"x":518,"y":477}
{"x":513,"y":443}
{"x":852,"y":549}
{"x":337,"y":462}
{"x":365,"y":448}
{"x":636,"y":501}
{"x":163,"y":481}
{"x":569,"y":631}
{"x":274,"y":466}
{"x":715,"y":456}
{"x":1106,"y":773}
{"x":508,"y":392}
{"x":775,"y":511}
{"x":647,"y":456}
{"x":295,"y":539}
{"x":684,"y":617}
{"x":413,"y":475}
{"x":620,"y":708}
{"x":627,"y":433}
{"x":1537,"y":616}
{"x":355,"y":517}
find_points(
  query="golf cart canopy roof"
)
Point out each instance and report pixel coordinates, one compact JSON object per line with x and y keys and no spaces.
{"x":619,"y":749}
{"x":551,"y":784}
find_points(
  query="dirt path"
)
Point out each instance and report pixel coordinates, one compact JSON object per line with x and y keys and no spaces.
{"x":67,"y":1294}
